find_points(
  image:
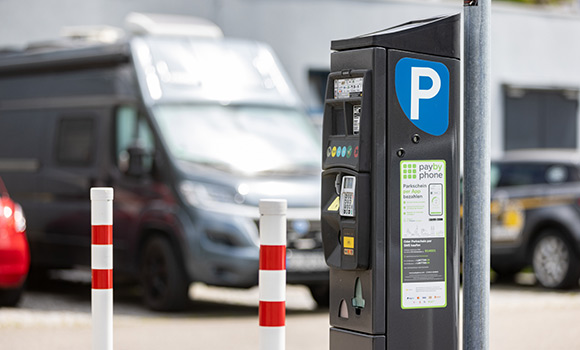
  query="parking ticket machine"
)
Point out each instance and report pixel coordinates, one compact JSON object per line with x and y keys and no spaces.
{"x":390,"y":187}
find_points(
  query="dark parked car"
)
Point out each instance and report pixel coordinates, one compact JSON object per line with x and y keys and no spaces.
{"x":14,"y":254}
{"x":535,"y":215}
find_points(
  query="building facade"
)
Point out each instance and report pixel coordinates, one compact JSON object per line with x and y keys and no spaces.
{"x":535,"y":53}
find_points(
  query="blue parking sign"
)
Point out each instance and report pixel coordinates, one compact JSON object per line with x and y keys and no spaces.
{"x":422,"y":89}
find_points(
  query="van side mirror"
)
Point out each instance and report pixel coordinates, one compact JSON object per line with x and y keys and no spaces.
{"x":135,"y":161}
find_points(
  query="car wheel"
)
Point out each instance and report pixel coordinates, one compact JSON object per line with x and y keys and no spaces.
{"x":321,"y":294}
{"x":504,"y":275}
{"x":10,"y":297}
{"x":555,"y":262}
{"x":165,"y":286}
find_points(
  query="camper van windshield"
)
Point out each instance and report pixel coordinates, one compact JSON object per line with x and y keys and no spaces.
{"x":219,"y":70}
{"x":246,"y":139}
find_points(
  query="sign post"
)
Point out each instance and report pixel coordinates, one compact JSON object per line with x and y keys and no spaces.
{"x":477,"y":105}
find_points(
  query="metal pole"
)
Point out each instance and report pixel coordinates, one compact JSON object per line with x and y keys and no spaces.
{"x":102,"y":267}
{"x":272,"y":274}
{"x":476,"y":257}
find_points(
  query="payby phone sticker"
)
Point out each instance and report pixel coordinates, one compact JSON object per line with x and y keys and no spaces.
{"x":423,"y":234}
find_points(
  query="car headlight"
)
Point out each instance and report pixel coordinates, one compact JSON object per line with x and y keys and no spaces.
{"x":204,"y":195}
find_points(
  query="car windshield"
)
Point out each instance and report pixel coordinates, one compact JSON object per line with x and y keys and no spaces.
{"x":246,"y":139}
{"x":494,"y":175}
{"x":521,"y":174}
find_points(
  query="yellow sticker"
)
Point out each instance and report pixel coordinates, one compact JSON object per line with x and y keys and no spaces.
{"x":348,"y":242}
{"x":333,"y":151}
{"x":334,"y":205}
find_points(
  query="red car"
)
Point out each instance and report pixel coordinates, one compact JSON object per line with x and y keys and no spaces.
{"x":14,"y":252}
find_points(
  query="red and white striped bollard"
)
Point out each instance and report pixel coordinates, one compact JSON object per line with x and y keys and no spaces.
{"x":272,"y":275}
{"x":102,"y":267}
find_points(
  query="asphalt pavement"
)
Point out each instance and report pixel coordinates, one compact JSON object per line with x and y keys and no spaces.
{"x":58,"y":317}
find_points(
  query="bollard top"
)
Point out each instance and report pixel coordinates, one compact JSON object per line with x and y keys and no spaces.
{"x":273,"y":206}
{"x":102,"y":193}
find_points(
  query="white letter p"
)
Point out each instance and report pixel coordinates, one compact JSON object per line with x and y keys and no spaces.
{"x":418,"y":94}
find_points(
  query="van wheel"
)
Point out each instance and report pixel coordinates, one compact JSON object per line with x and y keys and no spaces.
{"x":320,"y":294}
{"x":555,"y":262}
{"x":165,"y":287}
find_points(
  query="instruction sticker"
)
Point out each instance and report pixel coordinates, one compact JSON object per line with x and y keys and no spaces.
{"x":423,"y":234}
{"x":348,"y":88}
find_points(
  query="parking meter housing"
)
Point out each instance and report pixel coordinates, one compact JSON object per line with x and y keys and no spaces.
{"x":390,"y":187}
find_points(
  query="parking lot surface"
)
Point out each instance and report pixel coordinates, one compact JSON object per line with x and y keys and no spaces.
{"x":58,"y":317}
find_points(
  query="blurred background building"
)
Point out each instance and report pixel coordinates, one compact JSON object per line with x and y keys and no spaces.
{"x":535,"y":51}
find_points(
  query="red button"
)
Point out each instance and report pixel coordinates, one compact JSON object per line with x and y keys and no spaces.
{"x":356,"y":152}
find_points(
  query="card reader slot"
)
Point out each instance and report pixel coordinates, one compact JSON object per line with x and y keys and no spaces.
{"x":345,"y":221}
